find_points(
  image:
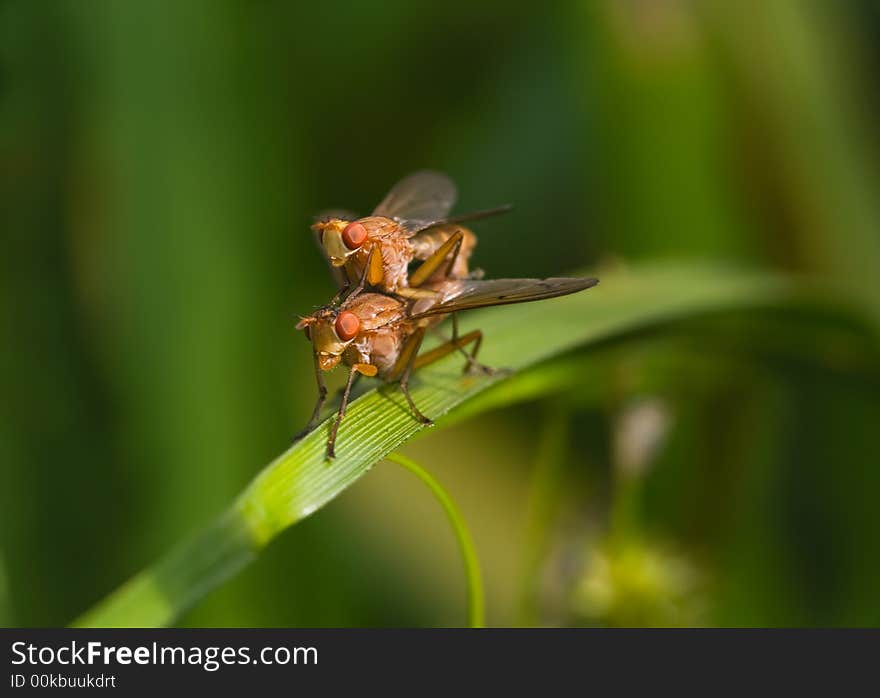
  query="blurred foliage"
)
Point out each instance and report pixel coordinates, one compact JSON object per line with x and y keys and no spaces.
{"x":161,"y":162}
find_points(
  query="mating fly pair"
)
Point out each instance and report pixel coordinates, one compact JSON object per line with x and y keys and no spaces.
{"x":377,"y":321}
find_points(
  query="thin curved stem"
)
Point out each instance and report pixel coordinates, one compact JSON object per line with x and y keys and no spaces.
{"x":465,"y":542}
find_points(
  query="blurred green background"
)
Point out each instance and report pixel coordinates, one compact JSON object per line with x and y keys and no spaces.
{"x":161,"y":162}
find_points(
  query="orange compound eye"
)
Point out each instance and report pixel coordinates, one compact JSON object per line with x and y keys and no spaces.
{"x":347,"y":325}
{"x":354,"y":235}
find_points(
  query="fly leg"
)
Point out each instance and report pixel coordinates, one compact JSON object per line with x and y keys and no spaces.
{"x":426,"y":269}
{"x":349,"y":292}
{"x":341,"y":391}
{"x":472,"y":366}
{"x":322,"y":397}
{"x":356,"y":370}
{"x":403,"y":368}
{"x":456,"y":344}
{"x":340,"y":295}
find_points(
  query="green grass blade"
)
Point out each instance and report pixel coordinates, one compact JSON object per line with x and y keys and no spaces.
{"x":159,"y":594}
{"x":301,"y":481}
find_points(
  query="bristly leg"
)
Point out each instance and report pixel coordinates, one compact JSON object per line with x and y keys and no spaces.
{"x":349,"y":292}
{"x":472,"y":367}
{"x":450,"y":248}
{"x":322,"y":397}
{"x":458,"y":344}
{"x":341,"y":294}
{"x":403,"y":368}
{"x":331,"y":441}
{"x":404,"y":387}
{"x":341,"y":392}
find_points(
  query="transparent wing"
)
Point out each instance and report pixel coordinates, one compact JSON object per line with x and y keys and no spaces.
{"x":465,"y":294}
{"x":339,"y":213}
{"x":419,"y":200}
{"x":476,"y":215}
{"x":415,"y":228}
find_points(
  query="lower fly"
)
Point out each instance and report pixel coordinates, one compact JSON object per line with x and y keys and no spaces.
{"x":380,"y":335}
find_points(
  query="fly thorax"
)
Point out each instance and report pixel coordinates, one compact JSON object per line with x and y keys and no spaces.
{"x":385,"y":350}
{"x":395,"y":260}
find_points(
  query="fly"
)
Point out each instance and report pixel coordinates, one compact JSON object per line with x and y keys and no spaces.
{"x":411,"y":224}
{"x":379,"y":335}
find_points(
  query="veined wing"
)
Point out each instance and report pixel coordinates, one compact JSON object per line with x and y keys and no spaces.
{"x":416,"y":228}
{"x":419,"y":200}
{"x":338,"y":213}
{"x":466,"y":294}
{"x":475,"y":215}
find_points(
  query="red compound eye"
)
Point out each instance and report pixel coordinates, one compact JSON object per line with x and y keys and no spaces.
{"x":354,"y":235}
{"x":347,"y":325}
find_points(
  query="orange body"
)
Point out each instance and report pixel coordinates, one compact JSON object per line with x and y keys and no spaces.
{"x":397,"y":249}
{"x":383,"y":328}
